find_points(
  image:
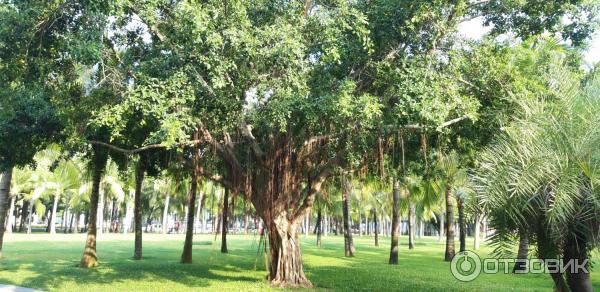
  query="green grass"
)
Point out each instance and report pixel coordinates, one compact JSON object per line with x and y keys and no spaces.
{"x":49,"y":263}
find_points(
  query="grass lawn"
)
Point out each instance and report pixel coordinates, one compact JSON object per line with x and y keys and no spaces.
{"x":49,"y":263}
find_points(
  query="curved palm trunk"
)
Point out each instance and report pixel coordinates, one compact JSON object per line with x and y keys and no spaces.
{"x":546,"y":252}
{"x":165,"y":214}
{"x":186,"y":256}
{"x":411,"y":225}
{"x":4,"y":196}
{"x":90,"y":258}
{"x":521,"y":262}
{"x":348,"y":244}
{"x":224,"y":221}
{"x":462,"y":225}
{"x":137,"y":213}
{"x":395,"y":223}
{"x":449,"y":224}
{"x":53,"y":215}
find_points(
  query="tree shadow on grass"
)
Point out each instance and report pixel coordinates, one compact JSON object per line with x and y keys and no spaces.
{"x":50,"y":270}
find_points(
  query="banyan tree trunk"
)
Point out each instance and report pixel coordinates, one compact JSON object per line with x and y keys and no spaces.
{"x":521,"y":261}
{"x":462,"y":226}
{"x":395,"y":223}
{"x":375,"y":227}
{"x":411,"y":225}
{"x":89,"y":258}
{"x":186,"y":256}
{"x":4,"y":198}
{"x":449,"y":224}
{"x":286,"y":268}
{"x":224,"y":222}
{"x":137,"y":213}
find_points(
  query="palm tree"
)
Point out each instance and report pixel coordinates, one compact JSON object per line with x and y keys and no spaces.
{"x":540,"y":177}
{"x":448,"y":166}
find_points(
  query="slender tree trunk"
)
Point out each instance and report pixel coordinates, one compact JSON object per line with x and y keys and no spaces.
{"x":90,"y":258}
{"x":395,"y":223}
{"x":165,"y":214}
{"x":462,"y":226}
{"x":53,"y":215}
{"x":23,"y":216}
{"x":375,"y":227}
{"x":348,"y":244}
{"x":224,"y":221}
{"x":137,"y":213}
{"x":127,"y":220}
{"x":4,"y":198}
{"x":76,"y":223}
{"x":521,"y":262}
{"x":449,"y":224}
{"x":442,"y":225}
{"x":411,"y":225}
{"x":319,"y":227}
{"x":186,"y":256}
{"x":477,"y":234}
{"x":246,"y":218}
{"x":576,"y":251}
{"x":29,"y":216}
{"x":198,"y":211}
{"x":11,"y":217}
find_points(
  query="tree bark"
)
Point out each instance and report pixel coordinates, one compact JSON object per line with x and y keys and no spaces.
{"x":520,"y":263}
{"x":375,"y":227}
{"x":11,"y":217}
{"x":395,"y":223}
{"x":576,"y":251}
{"x":53,"y":215}
{"x":319,"y":227}
{"x":224,"y":221}
{"x":442,"y":226}
{"x":137,"y":213}
{"x":462,"y":226}
{"x":29,"y":216}
{"x":4,"y":199}
{"x":90,"y":258}
{"x":165,"y":214}
{"x":286,"y":268}
{"x":348,"y":244}
{"x":449,"y":224}
{"x":411,"y":225}
{"x":100,"y":218}
{"x":186,"y":256}
{"x":477,"y":235}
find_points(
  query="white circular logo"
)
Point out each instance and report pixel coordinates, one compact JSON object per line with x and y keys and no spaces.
{"x":465,"y":266}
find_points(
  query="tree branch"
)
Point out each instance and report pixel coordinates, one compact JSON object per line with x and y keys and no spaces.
{"x":247,"y":133}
